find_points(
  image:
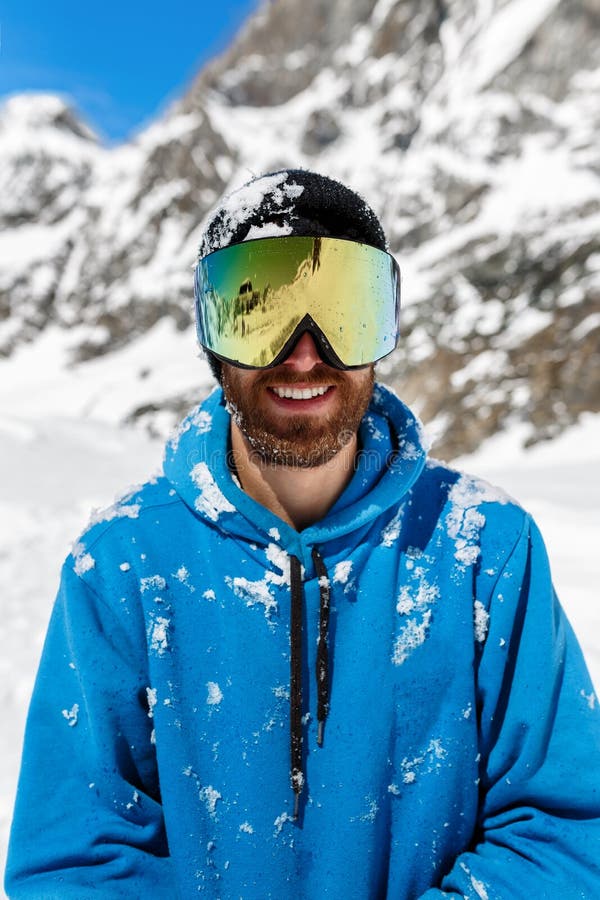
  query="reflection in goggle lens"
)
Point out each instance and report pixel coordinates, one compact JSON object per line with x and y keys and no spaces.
{"x":254,"y":299}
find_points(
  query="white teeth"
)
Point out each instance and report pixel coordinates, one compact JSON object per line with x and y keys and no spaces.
{"x":291,"y":393}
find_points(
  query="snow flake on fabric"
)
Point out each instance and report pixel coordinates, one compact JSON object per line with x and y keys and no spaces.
{"x":152,"y":583}
{"x":374,"y":431}
{"x":135,"y":799}
{"x":71,"y":715}
{"x":342,"y":570}
{"x":280,"y":821}
{"x":412,"y":635}
{"x":409,"y":450}
{"x":590,"y":698}
{"x":414,"y":603}
{"x":200,"y":420}
{"x":259,"y":592}
{"x":215,"y":694}
{"x":121,"y":509}
{"x":391,"y":532}
{"x":478,"y":886}
{"x":378,"y":398}
{"x":247,"y":828}
{"x":426,"y":763}
{"x":253,"y":593}
{"x":84,"y":561}
{"x":158,"y":634}
{"x":372,"y":808}
{"x":464,"y":520}
{"x":152,"y":699}
{"x":211,"y":502}
{"x":183,"y":576}
{"x":481,"y":621}
{"x":210,"y":797}
{"x":280,"y":559}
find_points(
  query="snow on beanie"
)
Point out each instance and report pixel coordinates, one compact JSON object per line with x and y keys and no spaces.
{"x":289,"y":202}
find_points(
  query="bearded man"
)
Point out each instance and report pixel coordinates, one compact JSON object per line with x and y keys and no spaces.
{"x":307,"y":661}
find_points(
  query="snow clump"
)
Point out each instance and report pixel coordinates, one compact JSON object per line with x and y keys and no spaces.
{"x":83,"y":561}
{"x":259,"y":592}
{"x":159,"y":641}
{"x":341,"y":573}
{"x":481,"y":619}
{"x":271,"y":193}
{"x":210,"y":797}
{"x":391,"y":532}
{"x":72,"y":714}
{"x":464,"y":521}
{"x":215,"y":694}
{"x":152,"y":583}
{"x":416,"y":597}
{"x":211,"y":502}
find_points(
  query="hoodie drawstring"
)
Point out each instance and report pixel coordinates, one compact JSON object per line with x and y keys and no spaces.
{"x":322,"y":666}
{"x":297,"y":775}
{"x":322,"y":648}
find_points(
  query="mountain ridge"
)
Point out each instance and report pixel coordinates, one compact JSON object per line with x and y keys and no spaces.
{"x":471,"y":128}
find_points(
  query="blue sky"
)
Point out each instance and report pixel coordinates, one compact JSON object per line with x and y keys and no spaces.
{"x":121,"y":62}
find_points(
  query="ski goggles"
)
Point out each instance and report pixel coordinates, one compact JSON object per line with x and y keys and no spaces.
{"x":255,"y":299}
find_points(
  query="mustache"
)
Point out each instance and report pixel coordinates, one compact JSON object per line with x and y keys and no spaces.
{"x":319,"y":375}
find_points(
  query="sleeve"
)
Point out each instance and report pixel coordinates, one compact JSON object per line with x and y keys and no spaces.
{"x":88,"y":820}
{"x":539,"y":739}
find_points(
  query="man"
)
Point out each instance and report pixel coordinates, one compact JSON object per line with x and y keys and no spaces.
{"x":307,"y":661}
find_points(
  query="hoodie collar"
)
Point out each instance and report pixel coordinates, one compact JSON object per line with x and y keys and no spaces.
{"x":390,"y":459}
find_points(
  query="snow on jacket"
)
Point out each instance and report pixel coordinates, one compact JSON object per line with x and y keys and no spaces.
{"x":460,"y":753}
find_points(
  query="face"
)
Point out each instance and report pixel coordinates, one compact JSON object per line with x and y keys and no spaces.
{"x":300,"y":413}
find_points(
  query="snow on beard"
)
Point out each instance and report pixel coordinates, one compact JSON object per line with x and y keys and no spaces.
{"x":302,"y":441}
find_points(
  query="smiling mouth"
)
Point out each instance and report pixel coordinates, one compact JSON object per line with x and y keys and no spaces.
{"x":293,"y":393}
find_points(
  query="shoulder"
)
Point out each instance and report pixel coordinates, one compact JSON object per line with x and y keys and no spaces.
{"x":121,"y":523}
{"x":472,"y":511}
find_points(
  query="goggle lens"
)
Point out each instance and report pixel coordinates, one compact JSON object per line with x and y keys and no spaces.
{"x":252,"y":298}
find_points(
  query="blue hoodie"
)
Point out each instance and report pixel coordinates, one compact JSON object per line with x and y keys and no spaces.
{"x":461,"y":746}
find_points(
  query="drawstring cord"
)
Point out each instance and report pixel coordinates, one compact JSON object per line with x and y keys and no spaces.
{"x":322,"y":666}
{"x":322,"y":648}
{"x":297,"y":774}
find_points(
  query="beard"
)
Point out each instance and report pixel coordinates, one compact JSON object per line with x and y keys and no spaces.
{"x":305,"y":440}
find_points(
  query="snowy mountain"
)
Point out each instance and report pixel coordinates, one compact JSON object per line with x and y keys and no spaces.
{"x":470,"y":125}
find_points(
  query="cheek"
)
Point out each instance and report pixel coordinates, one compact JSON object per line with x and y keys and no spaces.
{"x":235,"y":379}
{"x":362,"y":380}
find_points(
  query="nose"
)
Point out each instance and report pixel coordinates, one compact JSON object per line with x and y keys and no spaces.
{"x":305,"y":354}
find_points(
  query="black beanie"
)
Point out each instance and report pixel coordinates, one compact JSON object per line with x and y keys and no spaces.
{"x":289,"y":202}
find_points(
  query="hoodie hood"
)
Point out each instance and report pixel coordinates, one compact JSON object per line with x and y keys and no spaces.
{"x":390,"y":459}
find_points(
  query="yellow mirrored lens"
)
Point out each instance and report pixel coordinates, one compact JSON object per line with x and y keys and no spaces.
{"x":250,"y":297}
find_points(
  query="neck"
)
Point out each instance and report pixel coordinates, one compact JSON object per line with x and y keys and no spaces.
{"x":299,"y":496}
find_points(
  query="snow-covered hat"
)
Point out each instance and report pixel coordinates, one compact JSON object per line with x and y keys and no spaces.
{"x":289,"y":202}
